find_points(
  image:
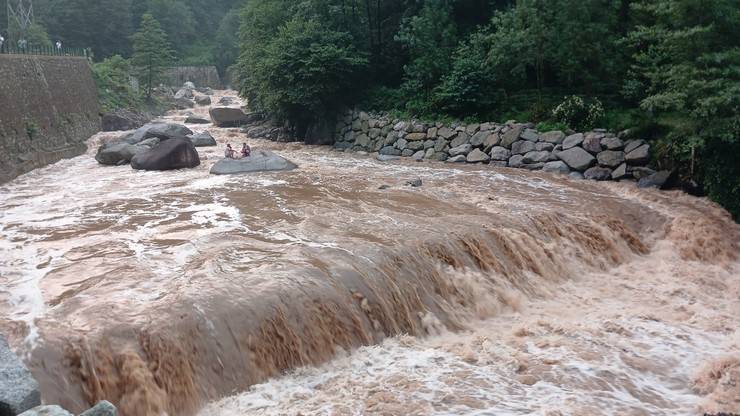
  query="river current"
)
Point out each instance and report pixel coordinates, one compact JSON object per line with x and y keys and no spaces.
{"x":336,"y":289}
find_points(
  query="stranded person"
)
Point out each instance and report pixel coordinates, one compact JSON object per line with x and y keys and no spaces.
{"x":229,"y":153}
{"x":246,"y":150}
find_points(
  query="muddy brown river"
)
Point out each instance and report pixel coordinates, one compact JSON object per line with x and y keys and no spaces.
{"x":314,"y":292}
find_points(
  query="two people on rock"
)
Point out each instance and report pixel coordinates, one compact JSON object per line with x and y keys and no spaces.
{"x":230,"y":153}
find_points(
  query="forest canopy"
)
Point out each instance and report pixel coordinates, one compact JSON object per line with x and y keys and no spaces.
{"x":199,"y":31}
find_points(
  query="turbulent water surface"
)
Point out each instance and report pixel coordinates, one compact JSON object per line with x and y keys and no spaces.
{"x":314,"y":292}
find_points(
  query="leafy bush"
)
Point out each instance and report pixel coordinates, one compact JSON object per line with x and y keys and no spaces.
{"x":305,"y":74}
{"x":112,"y":77}
{"x":579,"y":115}
{"x":546,"y":126}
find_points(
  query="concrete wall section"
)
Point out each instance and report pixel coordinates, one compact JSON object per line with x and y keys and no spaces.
{"x":48,"y":109}
{"x":201,"y":76}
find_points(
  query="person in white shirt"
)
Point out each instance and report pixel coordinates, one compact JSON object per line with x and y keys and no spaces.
{"x":59,"y":45}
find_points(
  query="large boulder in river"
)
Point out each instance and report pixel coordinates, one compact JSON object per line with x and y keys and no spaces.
{"x":204,"y":139}
{"x":231,"y":117}
{"x":18,"y":389}
{"x":184,"y":93}
{"x":202,"y":99}
{"x":162,"y":131}
{"x":259,"y":161}
{"x":168,"y":155}
{"x":123,"y":120}
{"x":119,"y":153}
{"x":183,"y":103}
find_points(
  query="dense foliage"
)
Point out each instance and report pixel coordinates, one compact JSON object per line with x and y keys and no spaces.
{"x":195,"y":28}
{"x":152,"y":54}
{"x":115,"y":90}
{"x":666,"y":69}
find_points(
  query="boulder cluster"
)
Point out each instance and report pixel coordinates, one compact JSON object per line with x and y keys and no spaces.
{"x":189,"y":95}
{"x":597,"y":155}
{"x":156,"y":146}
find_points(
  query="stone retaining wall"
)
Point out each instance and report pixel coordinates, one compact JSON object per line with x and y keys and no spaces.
{"x":48,"y":110}
{"x":201,"y":76}
{"x":597,"y":154}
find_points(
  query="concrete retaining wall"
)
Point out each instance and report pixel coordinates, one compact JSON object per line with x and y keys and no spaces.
{"x":48,"y":109}
{"x":201,"y":76}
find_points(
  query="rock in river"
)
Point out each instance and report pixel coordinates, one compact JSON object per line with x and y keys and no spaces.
{"x":231,"y":117}
{"x":260,"y":161}
{"x":163,"y":131}
{"x":168,"y":155}
{"x":18,"y":389}
{"x":123,"y":120}
{"x":196,"y":120}
{"x":116,"y":154}
{"x":204,"y":139}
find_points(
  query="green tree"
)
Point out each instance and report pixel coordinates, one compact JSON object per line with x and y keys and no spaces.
{"x":305,"y":74}
{"x":112,"y":77}
{"x":686,"y":71}
{"x":37,"y":37}
{"x":152,"y":53}
{"x":469,"y":88}
{"x":227,"y":42}
{"x":177,"y":20}
{"x":430,"y":38}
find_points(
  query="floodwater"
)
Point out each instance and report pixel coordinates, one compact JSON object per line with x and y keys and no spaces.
{"x":315,"y":292}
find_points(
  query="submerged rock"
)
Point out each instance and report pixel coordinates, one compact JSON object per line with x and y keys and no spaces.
{"x":168,"y":155}
{"x":19,"y":391}
{"x":416,"y":183}
{"x":260,"y":161}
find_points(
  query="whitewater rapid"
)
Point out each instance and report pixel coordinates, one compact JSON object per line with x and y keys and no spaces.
{"x":315,"y":292}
